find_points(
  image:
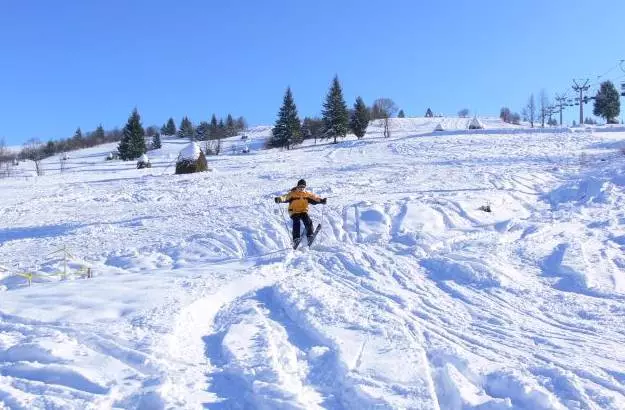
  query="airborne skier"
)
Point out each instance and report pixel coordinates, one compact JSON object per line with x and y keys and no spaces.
{"x":298,"y":199}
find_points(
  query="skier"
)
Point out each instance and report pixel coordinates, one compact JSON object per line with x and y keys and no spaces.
{"x":298,"y":199}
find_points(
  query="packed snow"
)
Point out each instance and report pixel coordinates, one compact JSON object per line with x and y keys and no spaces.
{"x":462,"y":269}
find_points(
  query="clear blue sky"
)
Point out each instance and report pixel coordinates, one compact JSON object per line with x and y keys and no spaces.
{"x":71,"y":63}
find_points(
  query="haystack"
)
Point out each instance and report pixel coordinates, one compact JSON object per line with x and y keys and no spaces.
{"x":191,"y":159}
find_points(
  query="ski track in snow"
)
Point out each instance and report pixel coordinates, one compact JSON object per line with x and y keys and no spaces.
{"x":412,"y":297}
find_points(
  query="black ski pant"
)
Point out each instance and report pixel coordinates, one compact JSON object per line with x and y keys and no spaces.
{"x":296,"y":225}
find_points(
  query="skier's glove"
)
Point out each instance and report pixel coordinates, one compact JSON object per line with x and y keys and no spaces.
{"x":277,"y":200}
{"x":324,"y":200}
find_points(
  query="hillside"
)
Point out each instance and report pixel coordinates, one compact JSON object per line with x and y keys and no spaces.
{"x":413,"y":296}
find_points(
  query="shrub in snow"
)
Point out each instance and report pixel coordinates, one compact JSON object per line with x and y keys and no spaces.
{"x":143,"y":162}
{"x":191,"y":159}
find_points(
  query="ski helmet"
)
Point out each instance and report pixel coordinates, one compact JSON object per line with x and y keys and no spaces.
{"x":301,"y":183}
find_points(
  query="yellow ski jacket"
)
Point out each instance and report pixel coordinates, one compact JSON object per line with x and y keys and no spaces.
{"x":298,"y":200}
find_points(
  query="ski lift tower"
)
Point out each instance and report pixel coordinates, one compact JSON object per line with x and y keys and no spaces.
{"x":622,"y":85}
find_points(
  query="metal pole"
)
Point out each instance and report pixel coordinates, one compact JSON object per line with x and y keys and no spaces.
{"x":581,"y":89}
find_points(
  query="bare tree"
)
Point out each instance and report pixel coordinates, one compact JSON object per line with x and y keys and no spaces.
{"x":463,"y":113}
{"x":386,"y":109}
{"x":544,"y":107}
{"x":530,"y":110}
{"x":32,"y":151}
{"x":6,"y":160}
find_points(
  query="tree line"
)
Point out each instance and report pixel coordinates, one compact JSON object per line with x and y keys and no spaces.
{"x":132,"y":138}
{"x":335,"y":122}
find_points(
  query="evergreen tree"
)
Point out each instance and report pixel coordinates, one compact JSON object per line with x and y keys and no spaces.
{"x":202,"y":132}
{"x":98,"y":135}
{"x":334,"y":114}
{"x":401,"y":114}
{"x":607,"y":103}
{"x":221,"y":129}
{"x":286,"y":131}
{"x":77,"y":140}
{"x":360,"y":118}
{"x":49,"y":149}
{"x":230,"y":126}
{"x":132,"y":145}
{"x":241,"y":124}
{"x":214,"y":128}
{"x":156,"y":141}
{"x":186,"y":129}
{"x":170,"y":127}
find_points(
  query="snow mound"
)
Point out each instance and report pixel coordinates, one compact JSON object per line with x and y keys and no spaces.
{"x":143,"y":158}
{"x":191,"y":152}
{"x":589,"y":190}
{"x":463,"y":270}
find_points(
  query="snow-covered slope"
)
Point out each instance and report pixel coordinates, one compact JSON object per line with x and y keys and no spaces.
{"x":412,"y":297}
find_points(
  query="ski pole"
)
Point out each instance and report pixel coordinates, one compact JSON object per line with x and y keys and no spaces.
{"x":286,"y":224}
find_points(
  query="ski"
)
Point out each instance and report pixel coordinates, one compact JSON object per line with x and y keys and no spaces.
{"x":296,"y":243}
{"x":314,"y":235}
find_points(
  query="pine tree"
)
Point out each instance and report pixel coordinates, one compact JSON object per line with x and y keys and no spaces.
{"x":230,"y":126}
{"x":214,"y":128}
{"x":186,"y":129}
{"x":156,"y":141}
{"x":99,"y":135}
{"x":286,"y":131}
{"x":241,"y":124}
{"x":221,"y":129}
{"x":202,"y":132}
{"x":334,"y":114}
{"x":77,"y":140}
{"x":607,"y":103}
{"x":132,"y":145}
{"x":171,"y":127}
{"x":360,"y":118}
{"x":401,"y":114}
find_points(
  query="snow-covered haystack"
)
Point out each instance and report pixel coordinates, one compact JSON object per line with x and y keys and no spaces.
{"x":143,"y":162}
{"x":439,"y":127}
{"x":476,"y":124}
{"x":191,"y":159}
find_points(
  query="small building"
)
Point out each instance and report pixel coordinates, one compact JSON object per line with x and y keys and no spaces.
{"x":476,"y":124}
